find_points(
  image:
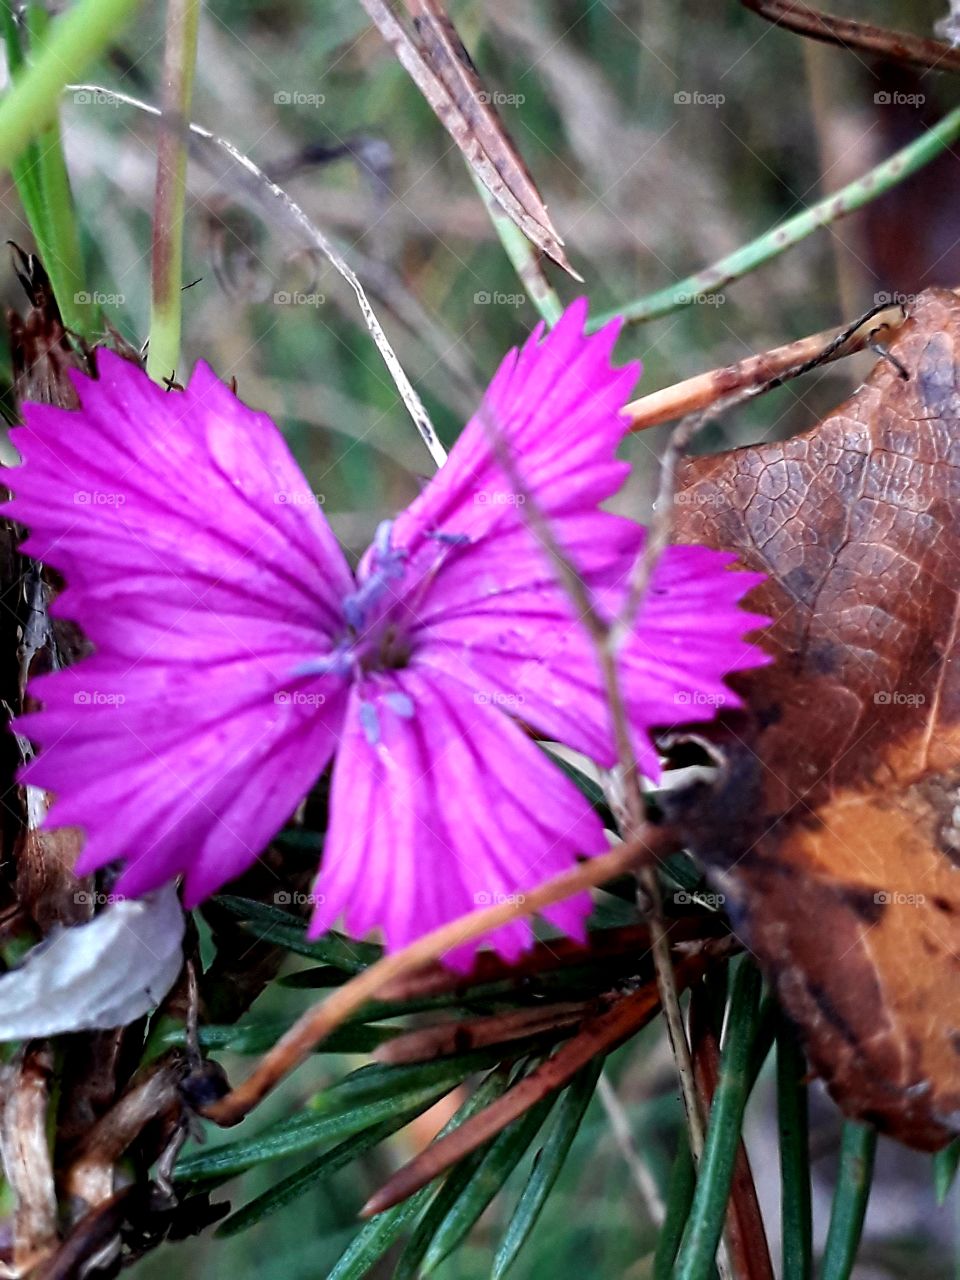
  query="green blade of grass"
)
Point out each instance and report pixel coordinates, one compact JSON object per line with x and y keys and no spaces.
{"x":496,"y":1166}
{"x":258,"y":1037}
{"x":850,"y":1196}
{"x":273,"y":924}
{"x":296,"y":1184}
{"x":76,"y":39}
{"x":376,"y":1237}
{"x":683,"y":1180}
{"x":795,"y":1207}
{"x":166,"y":277}
{"x":945,"y":1165}
{"x":908,"y":160}
{"x":705,"y":1225}
{"x":364,"y":1098}
{"x":570,"y":1112}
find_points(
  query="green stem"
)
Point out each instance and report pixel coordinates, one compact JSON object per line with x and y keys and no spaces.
{"x":58,"y":240}
{"x":180,"y":57}
{"x":705,"y":1224}
{"x":772,"y":243}
{"x":76,"y":39}
{"x":796,"y":1212}
{"x":850,"y":1198}
{"x":679,"y":1199}
{"x":524,"y":257}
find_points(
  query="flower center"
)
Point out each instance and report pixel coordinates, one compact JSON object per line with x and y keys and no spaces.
{"x":379,"y":618}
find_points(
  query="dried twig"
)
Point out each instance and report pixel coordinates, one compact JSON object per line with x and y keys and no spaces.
{"x":25,"y":1093}
{"x":600,"y":1035}
{"x":861,"y":37}
{"x":112,"y":1135}
{"x":477,"y":1033}
{"x":762,"y":370}
{"x":317,"y":1023}
{"x":440,"y":67}
{"x":606,"y":638}
{"x":636,"y":1165}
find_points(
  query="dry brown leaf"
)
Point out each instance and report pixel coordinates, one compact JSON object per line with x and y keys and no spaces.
{"x":436,"y":60}
{"x":835,"y":831}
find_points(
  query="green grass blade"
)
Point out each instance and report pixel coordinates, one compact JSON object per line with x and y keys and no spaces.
{"x":435,"y":1210}
{"x":908,"y":160}
{"x":945,"y":1165}
{"x":496,"y":1166}
{"x":273,"y":924}
{"x":570,"y":1112}
{"x":289,"y":1188}
{"x":683,"y":1180}
{"x":60,"y":247}
{"x":258,"y":1037}
{"x":702,"y":1235}
{"x":77,"y":38}
{"x":796,"y":1210}
{"x":299,"y":1133}
{"x":376,"y":1237}
{"x":850,"y":1196}
{"x":364,"y":1098}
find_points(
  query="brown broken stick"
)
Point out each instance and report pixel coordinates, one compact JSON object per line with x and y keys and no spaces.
{"x":317,"y":1023}
{"x":763,"y":369}
{"x":861,"y":37}
{"x":600,"y":1035}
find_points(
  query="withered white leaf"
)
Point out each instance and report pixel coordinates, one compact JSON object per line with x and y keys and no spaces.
{"x":102,"y":974}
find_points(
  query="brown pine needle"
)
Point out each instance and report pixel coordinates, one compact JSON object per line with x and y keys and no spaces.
{"x":317,"y":1023}
{"x":599,"y":1035}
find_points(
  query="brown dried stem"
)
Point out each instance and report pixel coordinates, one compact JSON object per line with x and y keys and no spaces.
{"x":600,"y":1035}
{"x":758,"y":371}
{"x":859,"y":37}
{"x":318,"y":1022}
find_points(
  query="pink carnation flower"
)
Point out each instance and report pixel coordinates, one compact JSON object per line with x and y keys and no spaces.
{"x":237,"y":654}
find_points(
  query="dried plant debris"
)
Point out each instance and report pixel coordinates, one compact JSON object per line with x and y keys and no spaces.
{"x":435,"y":58}
{"x":835,"y":830}
{"x":101,"y":974}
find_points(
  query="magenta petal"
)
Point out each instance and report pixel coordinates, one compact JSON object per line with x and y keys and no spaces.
{"x":182,"y":502}
{"x":201,"y":567}
{"x":439,"y":807}
{"x":555,"y":405}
